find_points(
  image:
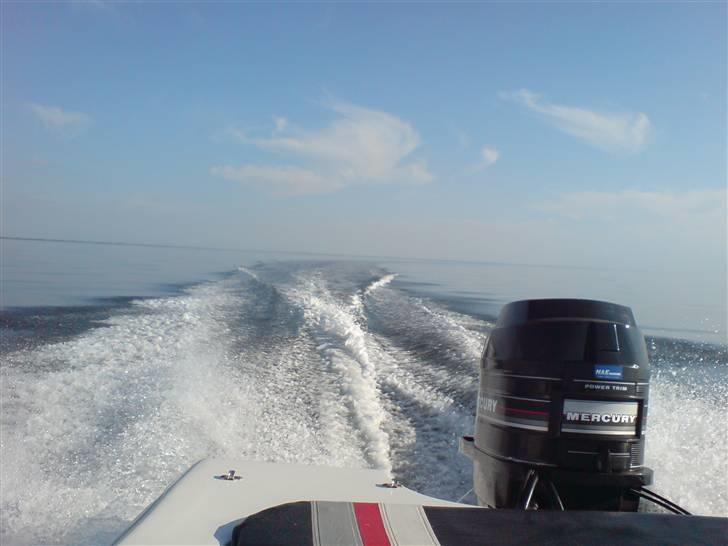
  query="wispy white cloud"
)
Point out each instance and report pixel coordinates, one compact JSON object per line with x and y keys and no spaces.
{"x":614,"y":132}
{"x":361,"y":146}
{"x":609,"y":206}
{"x":281,"y":123}
{"x":56,"y":118}
{"x":286,"y":179}
{"x":665,"y":229}
{"x":490,"y":155}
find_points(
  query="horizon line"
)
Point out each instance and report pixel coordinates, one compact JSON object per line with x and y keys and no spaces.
{"x":237,"y":249}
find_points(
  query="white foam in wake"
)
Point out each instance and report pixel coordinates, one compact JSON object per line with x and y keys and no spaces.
{"x":379,"y":283}
{"x":343,"y":343}
{"x":95,"y":427}
{"x":248,"y":272}
{"x":687,"y":443}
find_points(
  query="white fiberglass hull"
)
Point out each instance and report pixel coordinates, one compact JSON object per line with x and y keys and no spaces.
{"x":201,"y":508}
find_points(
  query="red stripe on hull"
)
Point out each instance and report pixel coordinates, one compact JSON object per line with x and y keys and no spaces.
{"x":371,"y":526}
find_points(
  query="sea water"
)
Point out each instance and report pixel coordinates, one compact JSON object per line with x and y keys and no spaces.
{"x":122,"y":366}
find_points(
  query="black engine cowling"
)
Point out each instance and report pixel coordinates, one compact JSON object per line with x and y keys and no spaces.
{"x":562,"y":408}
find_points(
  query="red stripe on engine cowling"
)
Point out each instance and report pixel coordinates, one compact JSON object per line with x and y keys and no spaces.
{"x":371,"y":526}
{"x":534,"y":412}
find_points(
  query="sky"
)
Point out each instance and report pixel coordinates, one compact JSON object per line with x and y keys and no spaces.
{"x":586,"y":134}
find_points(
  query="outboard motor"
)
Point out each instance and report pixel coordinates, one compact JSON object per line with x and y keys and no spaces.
{"x":562,"y":408}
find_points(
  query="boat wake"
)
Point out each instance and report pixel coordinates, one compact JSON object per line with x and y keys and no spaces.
{"x":316,"y":363}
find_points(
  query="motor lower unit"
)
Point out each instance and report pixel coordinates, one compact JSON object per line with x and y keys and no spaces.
{"x":562,"y":408}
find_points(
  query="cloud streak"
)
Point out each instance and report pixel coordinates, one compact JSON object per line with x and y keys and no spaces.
{"x":668,"y":205}
{"x":361,"y":146}
{"x":287,"y":178}
{"x":55,"y":118}
{"x":612,"y":132}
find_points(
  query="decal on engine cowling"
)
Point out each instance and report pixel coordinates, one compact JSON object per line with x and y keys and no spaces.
{"x":514,"y":411}
{"x":608,"y":387}
{"x":608,"y":371}
{"x":600,"y":417}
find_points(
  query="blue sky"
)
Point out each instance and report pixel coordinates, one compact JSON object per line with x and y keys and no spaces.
{"x":561,"y":133}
